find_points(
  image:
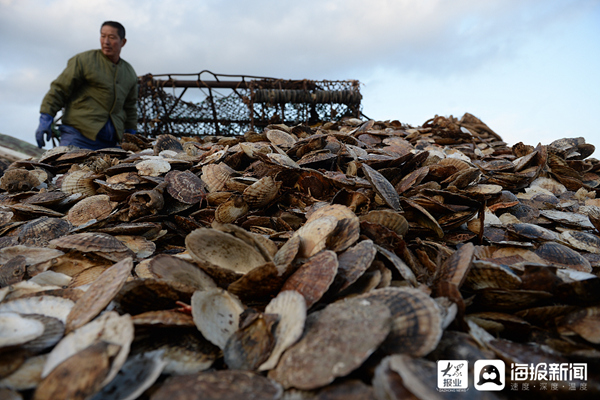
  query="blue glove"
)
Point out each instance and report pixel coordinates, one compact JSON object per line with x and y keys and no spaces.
{"x":132,"y":131}
{"x":44,"y":127}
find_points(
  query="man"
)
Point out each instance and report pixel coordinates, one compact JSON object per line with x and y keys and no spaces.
{"x":98,"y":91}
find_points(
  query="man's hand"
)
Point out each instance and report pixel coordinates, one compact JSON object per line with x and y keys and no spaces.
{"x":44,"y":127}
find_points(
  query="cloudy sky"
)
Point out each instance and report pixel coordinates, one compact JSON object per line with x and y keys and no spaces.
{"x":530,"y":69}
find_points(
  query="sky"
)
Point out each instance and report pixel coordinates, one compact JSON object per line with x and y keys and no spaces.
{"x":529,"y":69}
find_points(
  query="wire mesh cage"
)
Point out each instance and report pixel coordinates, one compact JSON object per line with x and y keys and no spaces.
{"x":230,"y":105}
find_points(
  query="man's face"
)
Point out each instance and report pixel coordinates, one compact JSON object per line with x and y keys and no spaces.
{"x":111,"y":43}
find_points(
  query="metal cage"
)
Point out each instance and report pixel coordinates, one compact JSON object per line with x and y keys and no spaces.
{"x":234,"y":104}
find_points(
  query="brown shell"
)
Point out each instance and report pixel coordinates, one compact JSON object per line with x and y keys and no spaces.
{"x":314,"y":277}
{"x":18,"y":180}
{"x":352,"y":263}
{"x":185,"y":186}
{"x":126,"y":178}
{"x":99,"y":294}
{"x":562,"y":256}
{"x":484,"y":274}
{"x":40,"y":231}
{"x":142,"y":295}
{"x":336,"y":341}
{"x":222,"y":254}
{"x":383,"y":187}
{"x":261,"y":192}
{"x":229,"y":211}
{"x":390,"y":219}
{"x":583,"y":322}
{"x":46,"y":199}
{"x":417,"y":326}
{"x":220,"y":385}
{"x":81,"y":375}
{"x":215,"y":176}
{"x":97,"y":207}
{"x":280,"y":138}
{"x":250,"y":345}
{"x":155,"y":166}
{"x":88,"y":242}
{"x":79,"y":182}
{"x":167,"y":142}
{"x":175,"y":269}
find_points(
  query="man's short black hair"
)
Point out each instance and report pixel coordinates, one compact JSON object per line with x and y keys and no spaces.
{"x":114,"y":24}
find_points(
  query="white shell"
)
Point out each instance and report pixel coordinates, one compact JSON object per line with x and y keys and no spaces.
{"x":51,"y":306}
{"x":154,"y":166}
{"x":15,"y":330}
{"x":27,"y":376}
{"x":291,"y":308}
{"x":222,"y":250}
{"x":216,"y":313}
{"x":109,"y":327}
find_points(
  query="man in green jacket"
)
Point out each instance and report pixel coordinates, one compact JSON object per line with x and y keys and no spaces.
{"x":98,"y":91}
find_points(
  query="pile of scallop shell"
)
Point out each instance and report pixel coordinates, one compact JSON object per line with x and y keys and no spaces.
{"x":331,"y":262}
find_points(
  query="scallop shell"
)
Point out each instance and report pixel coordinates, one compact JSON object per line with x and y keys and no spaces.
{"x":26,"y":377}
{"x":110,"y":328}
{"x":40,"y":231}
{"x":261,"y":192}
{"x":215,"y":176}
{"x":232,"y":209}
{"x":51,"y":306}
{"x":216,"y":314}
{"x":18,"y":180}
{"x":81,"y":182}
{"x":138,"y":296}
{"x":154,"y":166}
{"x":383,"y":187}
{"x":484,"y":274}
{"x":185,"y":186}
{"x":280,"y":138}
{"x":12,"y":271}
{"x":167,"y":142}
{"x":533,"y":232}
{"x":221,"y":253}
{"x":90,"y":242}
{"x":314,"y":277}
{"x":290,"y":306}
{"x":81,"y":375}
{"x":140,"y":246}
{"x":584,"y":322}
{"x":33,"y":255}
{"x":46,"y":199}
{"x":16,"y":330}
{"x":390,"y":219}
{"x":417,"y":326}
{"x":238,"y":384}
{"x":314,"y":234}
{"x":562,"y":256}
{"x":582,"y":241}
{"x":138,"y":373}
{"x":251,"y":344}
{"x":400,"y":376}
{"x":336,"y":341}
{"x":568,"y":218}
{"x":99,"y":294}
{"x":96,"y":207}
{"x":54,"y":330}
{"x":175,"y":269}
{"x":352,"y":263}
